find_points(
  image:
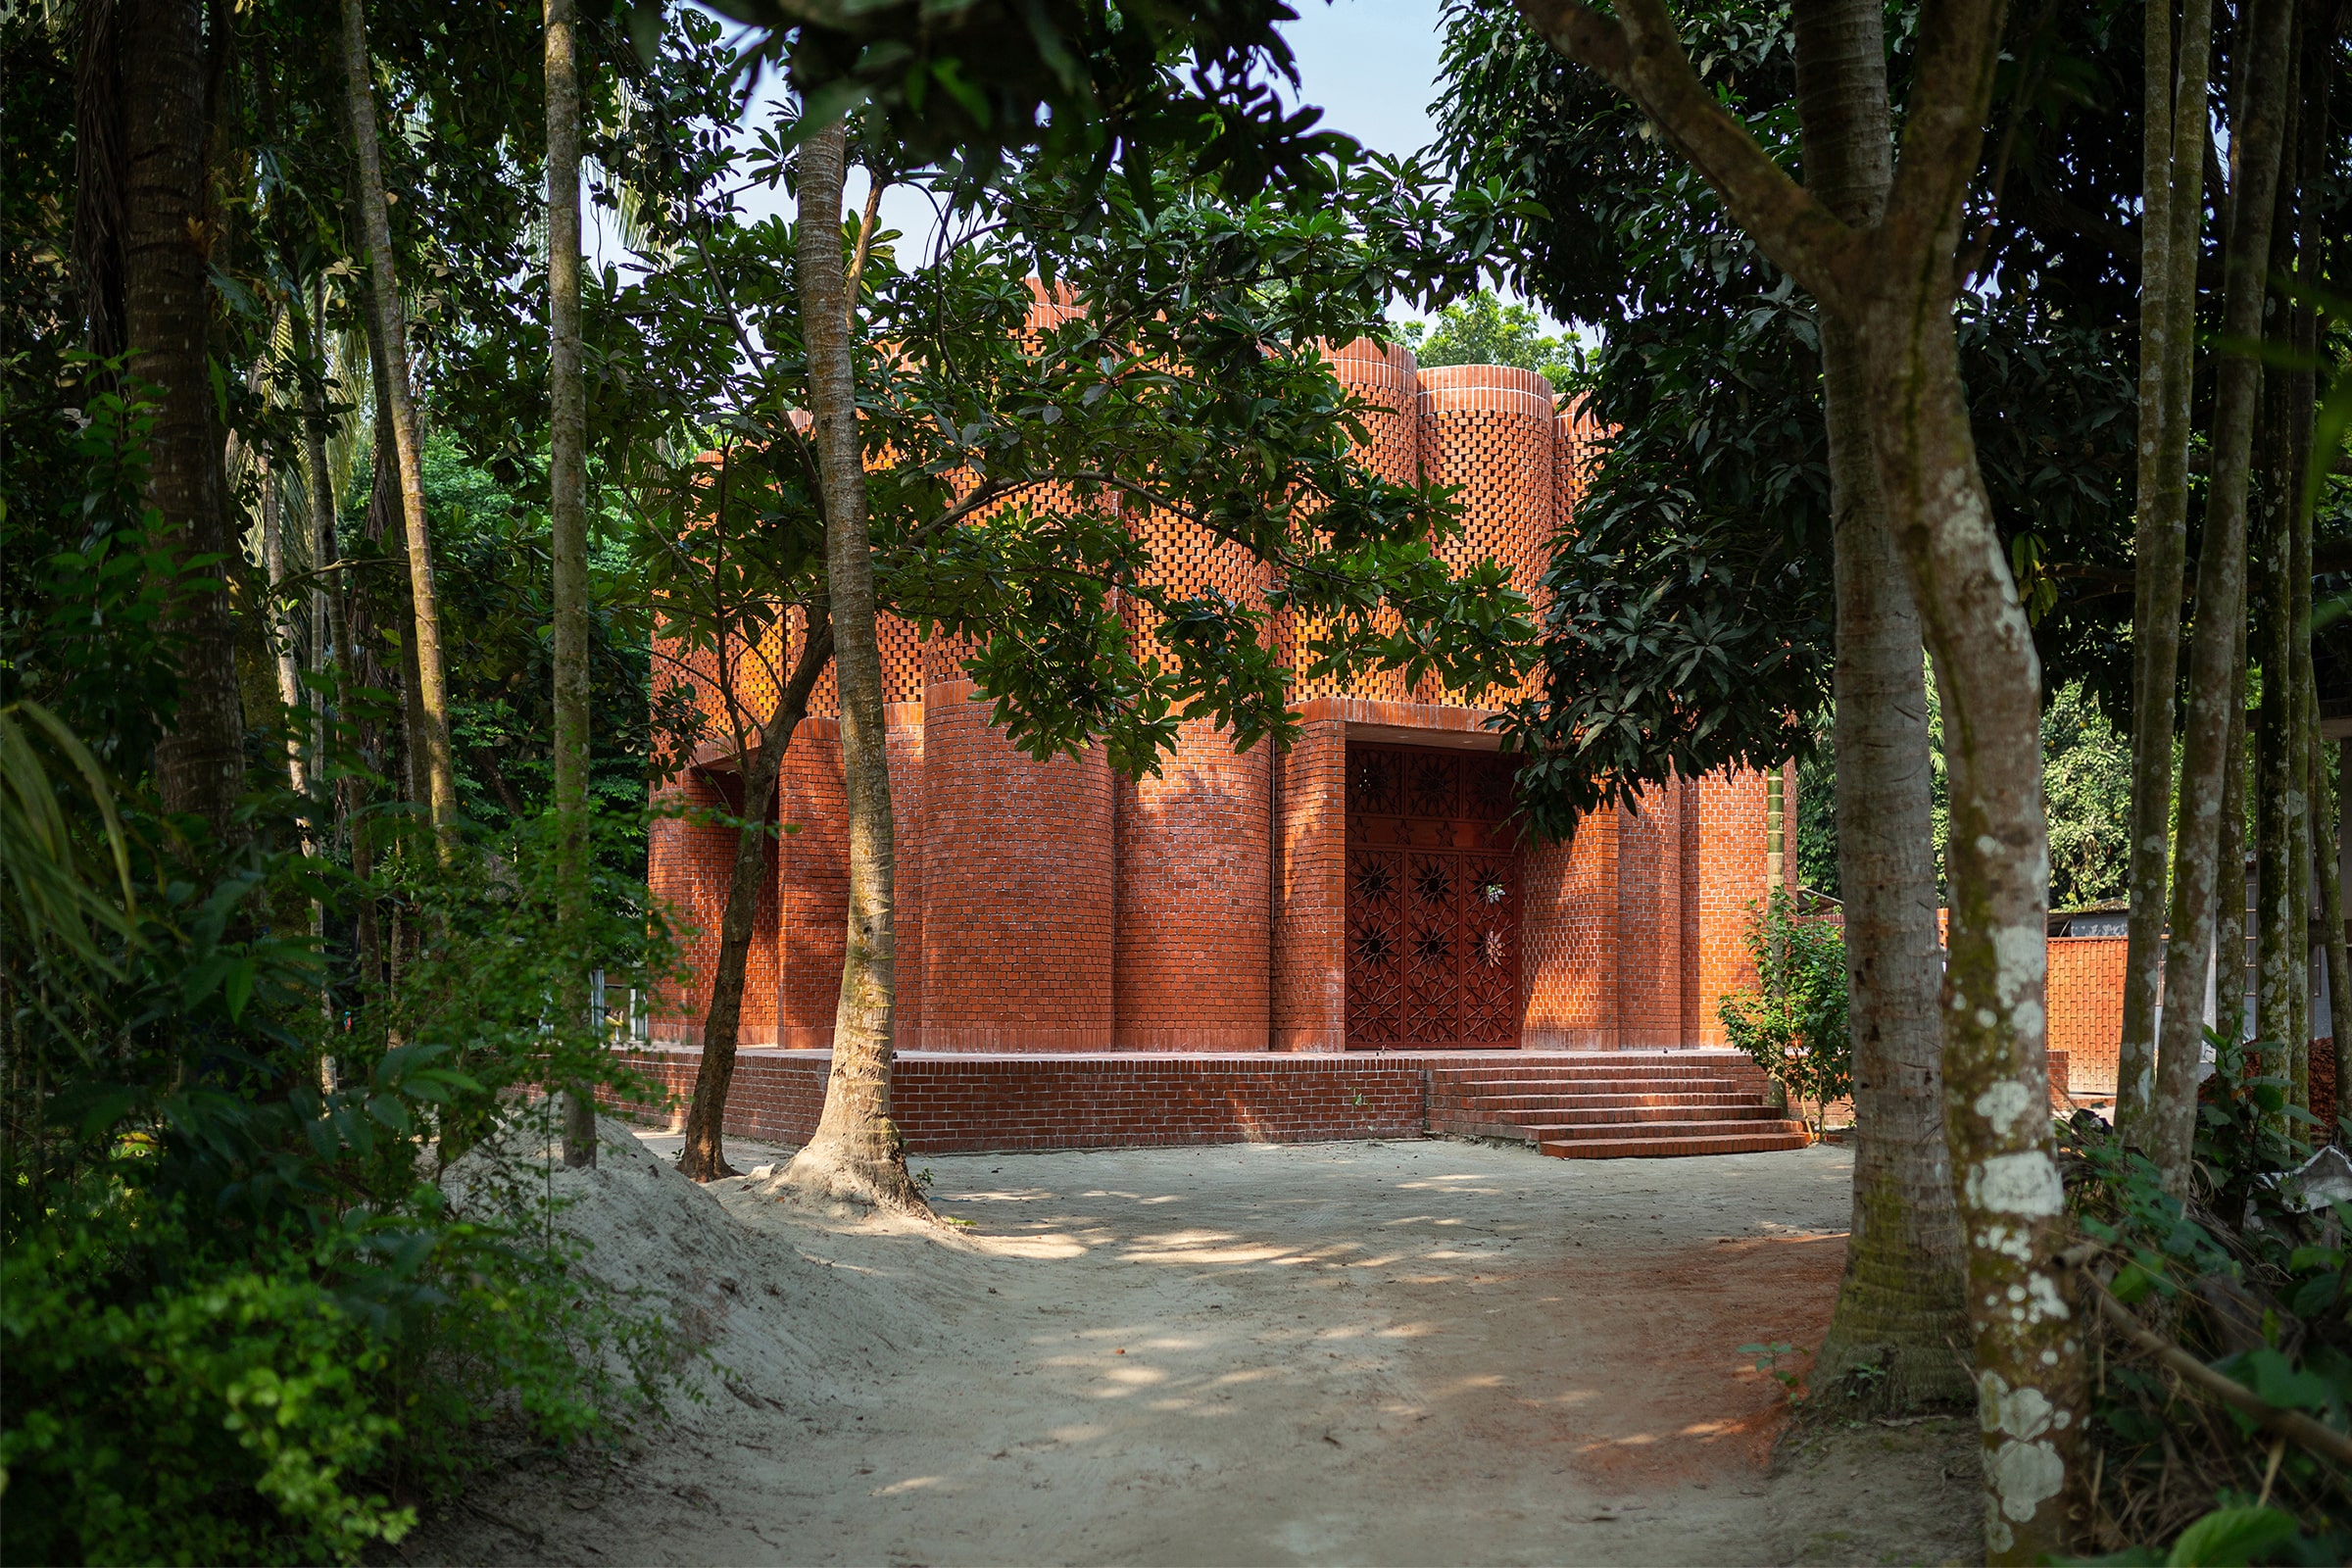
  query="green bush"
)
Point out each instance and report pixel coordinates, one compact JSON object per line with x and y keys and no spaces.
{"x":1794,"y":1019}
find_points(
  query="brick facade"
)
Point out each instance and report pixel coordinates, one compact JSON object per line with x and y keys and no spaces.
{"x":1048,"y":908}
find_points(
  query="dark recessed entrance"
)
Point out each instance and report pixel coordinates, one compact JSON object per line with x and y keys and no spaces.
{"x":1433,"y":899}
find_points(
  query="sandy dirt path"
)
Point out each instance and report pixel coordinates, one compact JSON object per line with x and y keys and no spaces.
{"x":1407,"y":1353}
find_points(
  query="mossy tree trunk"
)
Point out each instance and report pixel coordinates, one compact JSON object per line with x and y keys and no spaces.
{"x":391,"y":339}
{"x":1893,"y":285}
{"x":568,"y":534}
{"x":1901,"y":1305}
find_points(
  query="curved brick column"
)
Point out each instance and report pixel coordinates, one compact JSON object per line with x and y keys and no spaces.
{"x":1195,"y":849}
{"x":1492,"y":432}
{"x":1568,"y":939}
{"x":1650,"y":917}
{"x":1017,"y":881}
{"x":1726,"y":813}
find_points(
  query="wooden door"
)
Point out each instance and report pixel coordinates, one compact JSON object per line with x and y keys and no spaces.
{"x":1433,"y":899}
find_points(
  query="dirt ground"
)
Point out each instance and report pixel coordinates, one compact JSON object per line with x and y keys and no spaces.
{"x":1404,"y":1352}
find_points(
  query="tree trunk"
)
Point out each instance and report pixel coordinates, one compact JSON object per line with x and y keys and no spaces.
{"x":200,"y":763}
{"x":1894,"y":285}
{"x":2173,"y":180}
{"x":2231,"y":899}
{"x":1996,"y":1073}
{"x":284,"y":639}
{"x":391,"y":342}
{"x":1901,"y":1304}
{"x":2257,"y":124}
{"x":2283,"y":949}
{"x":856,"y":1153}
{"x":330,"y":648}
{"x":704,"y":1156}
{"x":567,"y":527}
{"x":2327,"y":849}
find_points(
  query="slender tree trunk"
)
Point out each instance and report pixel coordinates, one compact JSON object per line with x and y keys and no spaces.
{"x":200,"y":763}
{"x":856,"y":1153}
{"x":568,"y":518}
{"x":330,"y":648}
{"x":286,"y":643}
{"x":2283,"y":949}
{"x":2257,"y":124}
{"x":2298,"y":386}
{"x":1901,"y":1304}
{"x":2327,"y":847}
{"x":2233,"y":899}
{"x":2277,"y":763}
{"x":704,"y":1156}
{"x":440,"y":792}
{"x":2173,"y":181}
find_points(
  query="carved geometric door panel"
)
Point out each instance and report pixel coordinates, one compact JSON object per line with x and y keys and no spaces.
{"x":1433,"y":898}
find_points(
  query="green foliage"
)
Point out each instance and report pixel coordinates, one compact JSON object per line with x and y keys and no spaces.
{"x":2086,"y":792}
{"x":2086,"y":798}
{"x":1792,"y":1020}
{"x":1482,"y":329}
{"x":240,"y":1318}
{"x":1690,"y":616}
{"x":1007,"y":468}
{"x":2246,"y":1277}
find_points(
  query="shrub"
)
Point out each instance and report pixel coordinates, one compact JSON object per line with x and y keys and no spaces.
{"x":1794,"y":1019}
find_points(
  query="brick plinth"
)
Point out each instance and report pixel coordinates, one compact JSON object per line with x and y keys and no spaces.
{"x":1194,"y":848}
{"x":943,"y":1103}
{"x":1016,"y":888}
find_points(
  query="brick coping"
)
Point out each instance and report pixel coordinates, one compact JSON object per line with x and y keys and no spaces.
{"x":1267,"y":1059}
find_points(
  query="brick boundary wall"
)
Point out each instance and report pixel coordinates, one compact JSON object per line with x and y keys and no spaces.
{"x":973,"y":1103}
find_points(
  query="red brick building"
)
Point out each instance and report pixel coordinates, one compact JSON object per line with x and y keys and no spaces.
{"x":1365,"y":892}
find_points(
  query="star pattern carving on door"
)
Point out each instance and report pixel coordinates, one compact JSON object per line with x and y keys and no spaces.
{"x":1433,"y":898}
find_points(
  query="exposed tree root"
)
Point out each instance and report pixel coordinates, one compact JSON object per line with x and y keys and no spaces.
{"x":834,"y":1173}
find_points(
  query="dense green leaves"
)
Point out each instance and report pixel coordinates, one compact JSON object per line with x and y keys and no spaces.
{"x":1691,"y":619}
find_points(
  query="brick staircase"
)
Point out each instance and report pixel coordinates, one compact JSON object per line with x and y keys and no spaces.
{"x":1614,"y":1105}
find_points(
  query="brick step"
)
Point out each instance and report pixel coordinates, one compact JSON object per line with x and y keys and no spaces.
{"x":1549,"y":1124}
{"x":1502,"y":1104}
{"x":1659,"y":1140}
{"x":1711,"y":1065}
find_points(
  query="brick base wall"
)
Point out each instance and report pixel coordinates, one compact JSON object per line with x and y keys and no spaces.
{"x":945,"y":1104}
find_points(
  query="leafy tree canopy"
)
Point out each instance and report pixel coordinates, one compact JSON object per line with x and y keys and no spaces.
{"x":1485,"y":329}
